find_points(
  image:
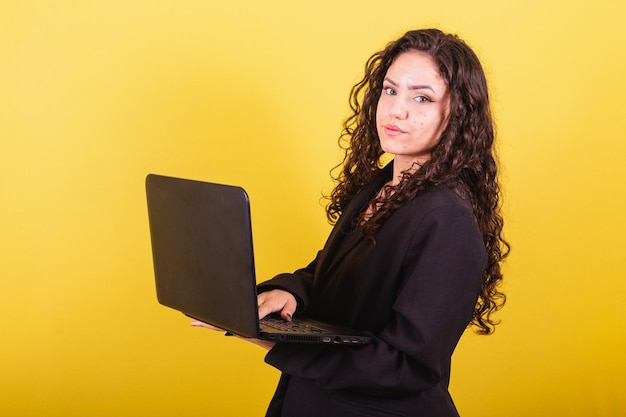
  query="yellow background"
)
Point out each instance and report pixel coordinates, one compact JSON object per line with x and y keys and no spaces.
{"x":96,"y":94}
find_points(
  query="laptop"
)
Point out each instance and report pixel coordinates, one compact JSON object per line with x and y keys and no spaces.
{"x":203,"y":259}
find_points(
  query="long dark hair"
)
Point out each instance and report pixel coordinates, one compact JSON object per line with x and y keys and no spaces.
{"x":464,"y":158}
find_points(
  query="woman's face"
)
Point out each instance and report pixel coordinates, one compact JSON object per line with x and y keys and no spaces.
{"x":413,"y":108}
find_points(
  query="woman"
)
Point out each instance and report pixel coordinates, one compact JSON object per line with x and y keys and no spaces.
{"x":414,"y":255}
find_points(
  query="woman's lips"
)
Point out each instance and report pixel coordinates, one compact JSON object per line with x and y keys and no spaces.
{"x":393,"y":130}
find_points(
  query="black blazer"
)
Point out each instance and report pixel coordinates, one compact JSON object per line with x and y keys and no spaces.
{"x":414,"y":290}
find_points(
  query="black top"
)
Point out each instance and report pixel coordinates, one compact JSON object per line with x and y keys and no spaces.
{"x":414,"y":290}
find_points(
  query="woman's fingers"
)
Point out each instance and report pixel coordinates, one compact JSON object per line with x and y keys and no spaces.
{"x":198,"y":323}
{"x":289,"y":309}
{"x":265,"y":344}
{"x":277,"y":301}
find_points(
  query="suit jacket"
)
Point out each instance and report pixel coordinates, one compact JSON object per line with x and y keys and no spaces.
{"x":414,"y":290}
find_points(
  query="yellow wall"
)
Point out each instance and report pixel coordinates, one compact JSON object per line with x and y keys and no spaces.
{"x":96,"y":94}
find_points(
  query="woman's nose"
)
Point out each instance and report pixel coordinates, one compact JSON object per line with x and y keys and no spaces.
{"x":399,"y":109}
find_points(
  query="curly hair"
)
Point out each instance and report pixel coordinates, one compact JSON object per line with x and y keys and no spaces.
{"x":463,"y":159}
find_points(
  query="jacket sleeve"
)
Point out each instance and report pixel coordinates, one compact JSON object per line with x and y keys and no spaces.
{"x":443,"y":271}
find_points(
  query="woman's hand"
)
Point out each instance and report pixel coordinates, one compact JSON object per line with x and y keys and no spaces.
{"x":269,"y":302}
{"x":198,"y":323}
{"x":275,"y":301}
{"x":263,"y":343}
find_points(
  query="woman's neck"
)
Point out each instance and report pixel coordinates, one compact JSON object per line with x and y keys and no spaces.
{"x":401,"y":165}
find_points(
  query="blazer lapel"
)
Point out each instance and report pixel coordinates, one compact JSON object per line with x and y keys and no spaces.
{"x":334,"y":251}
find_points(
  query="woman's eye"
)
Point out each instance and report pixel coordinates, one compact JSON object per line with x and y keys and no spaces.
{"x":389,"y":90}
{"x":422,"y":99}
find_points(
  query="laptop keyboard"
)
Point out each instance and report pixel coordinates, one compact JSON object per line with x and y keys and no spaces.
{"x":290,"y":326}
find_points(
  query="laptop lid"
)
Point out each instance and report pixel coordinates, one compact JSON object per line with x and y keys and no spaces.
{"x":201,"y":230}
